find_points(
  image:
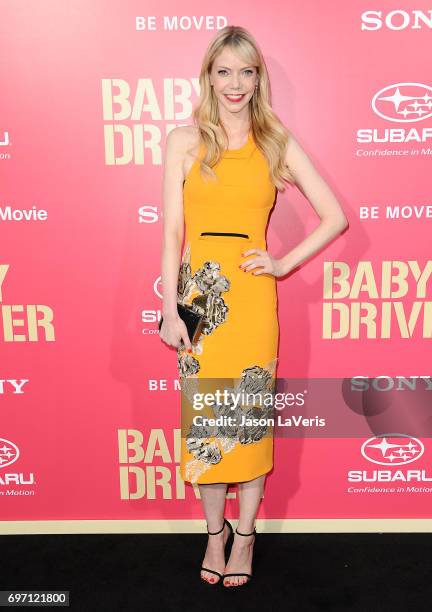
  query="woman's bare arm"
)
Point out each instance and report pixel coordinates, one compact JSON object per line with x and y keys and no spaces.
{"x":173,"y":224}
{"x":173,"y":228}
{"x":316,"y":190}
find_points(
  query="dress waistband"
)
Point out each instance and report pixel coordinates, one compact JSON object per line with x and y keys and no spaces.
{"x":225,"y":234}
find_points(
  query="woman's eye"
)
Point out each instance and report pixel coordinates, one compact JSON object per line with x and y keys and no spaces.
{"x":248,"y":70}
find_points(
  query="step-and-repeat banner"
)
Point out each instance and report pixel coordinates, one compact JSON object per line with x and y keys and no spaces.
{"x":90,"y":396}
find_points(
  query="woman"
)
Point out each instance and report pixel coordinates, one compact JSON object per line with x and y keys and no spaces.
{"x":221,"y":177}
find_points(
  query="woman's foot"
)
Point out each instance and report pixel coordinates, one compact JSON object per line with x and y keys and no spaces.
{"x":240,"y":560}
{"x":215,"y":555}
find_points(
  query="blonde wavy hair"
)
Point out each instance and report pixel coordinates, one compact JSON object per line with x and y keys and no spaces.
{"x":269,"y":133}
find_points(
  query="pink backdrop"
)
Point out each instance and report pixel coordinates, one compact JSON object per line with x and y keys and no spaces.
{"x":90,"y":91}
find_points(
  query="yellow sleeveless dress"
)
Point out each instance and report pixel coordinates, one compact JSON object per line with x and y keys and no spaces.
{"x":237,"y":348}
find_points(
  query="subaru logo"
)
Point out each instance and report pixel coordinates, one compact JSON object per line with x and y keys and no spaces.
{"x":392,"y":449}
{"x":404,"y":102}
{"x":9,"y":452}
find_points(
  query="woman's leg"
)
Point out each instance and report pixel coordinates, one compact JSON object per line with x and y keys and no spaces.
{"x":213,"y":498}
{"x":250,"y":494}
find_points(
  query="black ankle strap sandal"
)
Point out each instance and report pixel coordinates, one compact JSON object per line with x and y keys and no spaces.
{"x":249,"y":576}
{"x":215,"y":533}
{"x":247,"y":534}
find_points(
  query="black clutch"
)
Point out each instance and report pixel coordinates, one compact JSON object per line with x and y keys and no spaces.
{"x":193,"y":321}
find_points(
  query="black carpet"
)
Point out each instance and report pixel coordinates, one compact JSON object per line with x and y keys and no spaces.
{"x":293,"y":572}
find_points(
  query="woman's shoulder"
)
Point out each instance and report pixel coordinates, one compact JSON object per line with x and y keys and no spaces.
{"x":184,"y":138}
{"x":183,"y":145}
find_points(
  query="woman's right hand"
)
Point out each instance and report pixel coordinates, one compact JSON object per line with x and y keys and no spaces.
{"x":173,"y":331}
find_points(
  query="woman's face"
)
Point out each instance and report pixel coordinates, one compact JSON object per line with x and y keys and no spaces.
{"x":231,"y":75}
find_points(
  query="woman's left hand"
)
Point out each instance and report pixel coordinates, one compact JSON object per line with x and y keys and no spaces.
{"x":265,"y":262}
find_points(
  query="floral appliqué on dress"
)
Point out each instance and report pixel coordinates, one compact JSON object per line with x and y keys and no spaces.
{"x":208,"y":444}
